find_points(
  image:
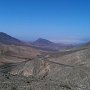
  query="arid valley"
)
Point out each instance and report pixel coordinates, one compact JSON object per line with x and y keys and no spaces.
{"x":25,"y":67}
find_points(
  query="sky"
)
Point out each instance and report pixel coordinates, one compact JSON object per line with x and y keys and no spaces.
{"x":56,"y":20}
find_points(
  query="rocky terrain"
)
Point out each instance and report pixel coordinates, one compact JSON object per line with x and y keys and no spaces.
{"x":24,"y":67}
{"x":12,"y":53}
{"x":67,"y":70}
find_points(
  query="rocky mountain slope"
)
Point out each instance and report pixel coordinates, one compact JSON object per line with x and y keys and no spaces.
{"x":12,"y":53}
{"x":69,"y":70}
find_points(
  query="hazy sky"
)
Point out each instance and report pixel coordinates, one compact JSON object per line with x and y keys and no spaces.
{"x":57,"y":20}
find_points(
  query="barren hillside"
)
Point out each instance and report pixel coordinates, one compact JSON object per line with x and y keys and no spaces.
{"x":68,"y":70}
{"x":12,"y":53}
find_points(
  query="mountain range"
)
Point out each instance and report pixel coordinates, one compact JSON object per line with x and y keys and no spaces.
{"x":48,"y":45}
{"x":32,"y":67}
{"x":67,"y":70}
{"x":39,"y":43}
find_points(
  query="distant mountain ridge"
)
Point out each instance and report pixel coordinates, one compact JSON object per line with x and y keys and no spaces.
{"x":42,"y":41}
{"x":46,"y":44}
{"x":9,"y":40}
